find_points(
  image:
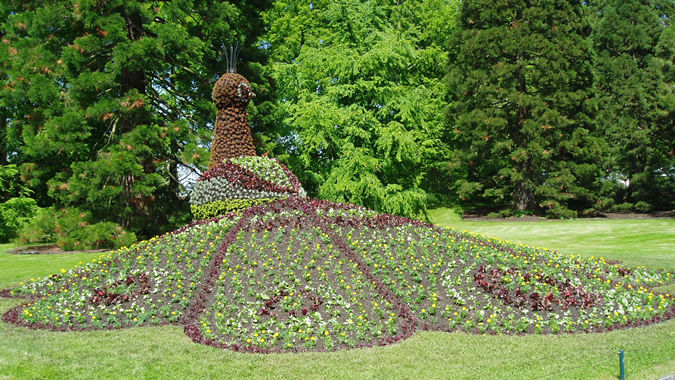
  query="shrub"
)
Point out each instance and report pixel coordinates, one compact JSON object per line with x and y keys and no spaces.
{"x":495,"y":215}
{"x":557,"y":211}
{"x":590,"y":212}
{"x":604,"y":203}
{"x":71,"y":222}
{"x":14,"y":215}
{"x":623,"y":207}
{"x":643,"y":206}
{"x":107,"y":235}
{"x":40,"y":229}
{"x":71,"y":230}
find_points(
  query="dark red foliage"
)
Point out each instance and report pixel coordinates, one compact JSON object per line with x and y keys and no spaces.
{"x":570,"y":296}
{"x":291,"y":177}
{"x":106,"y":296}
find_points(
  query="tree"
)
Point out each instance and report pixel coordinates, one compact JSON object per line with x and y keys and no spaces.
{"x":361,"y":87}
{"x":107,"y":100}
{"x":635,"y":47}
{"x":521,"y":80}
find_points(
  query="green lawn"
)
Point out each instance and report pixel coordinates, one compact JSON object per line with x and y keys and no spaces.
{"x":165,"y":352}
{"x":635,"y":242}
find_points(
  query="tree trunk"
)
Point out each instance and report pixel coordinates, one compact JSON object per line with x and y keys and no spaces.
{"x":524,"y":195}
{"x":3,"y":144}
{"x":133,"y":79}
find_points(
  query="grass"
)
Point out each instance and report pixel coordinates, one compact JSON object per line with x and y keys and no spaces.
{"x":166,"y":352}
{"x":17,"y":268}
{"x":635,"y":242}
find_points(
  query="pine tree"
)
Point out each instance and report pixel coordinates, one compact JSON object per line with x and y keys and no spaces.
{"x":107,"y":100}
{"x":635,"y":45}
{"x":361,"y":85}
{"x":521,"y":85}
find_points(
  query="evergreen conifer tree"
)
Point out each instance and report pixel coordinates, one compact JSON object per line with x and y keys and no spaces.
{"x":635,"y":46}
{"x":521,"y":80}
{"x":106,"y":100}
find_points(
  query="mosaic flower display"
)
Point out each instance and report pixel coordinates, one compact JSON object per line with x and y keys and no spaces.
{"x":306,"y":275}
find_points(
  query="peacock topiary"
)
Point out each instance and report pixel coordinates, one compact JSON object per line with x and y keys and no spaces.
{"x":237,"y":178}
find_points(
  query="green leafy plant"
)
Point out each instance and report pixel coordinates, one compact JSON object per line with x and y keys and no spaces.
{"x":643,"y":206}
{"x":222,"y":207}
{"x":10,"y":183}
{"x":40,"y":229}
{"x":71,"y":230}
{"x":522,"y":124}
{"x":14,"y":215}
{"x":623,"y":207}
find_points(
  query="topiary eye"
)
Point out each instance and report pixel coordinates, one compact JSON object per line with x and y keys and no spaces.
{"x":244,"y":92}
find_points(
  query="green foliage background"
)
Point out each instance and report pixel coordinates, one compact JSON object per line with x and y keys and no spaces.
{"x":556,"y":107}
{"x":104,"y":101}
{"x":361,"y":89}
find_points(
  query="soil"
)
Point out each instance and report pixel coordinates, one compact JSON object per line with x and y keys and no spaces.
{"x":481,"y":216}
{"x":51,"y":249}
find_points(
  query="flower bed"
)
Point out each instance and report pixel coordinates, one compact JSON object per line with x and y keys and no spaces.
{"x":149,"y":283}
{"x":305,"y":275}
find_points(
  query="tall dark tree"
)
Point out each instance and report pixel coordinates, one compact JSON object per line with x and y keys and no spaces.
{"x":108,"y":102}
{"x":522,"y":106}
{"x":635,"y":46}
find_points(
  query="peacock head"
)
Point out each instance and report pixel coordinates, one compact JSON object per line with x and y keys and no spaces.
{"x":232,"y":90}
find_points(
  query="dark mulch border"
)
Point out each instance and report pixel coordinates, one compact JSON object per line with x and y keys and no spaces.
{"x":480,"y":215}
{"x":50,"y":249}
